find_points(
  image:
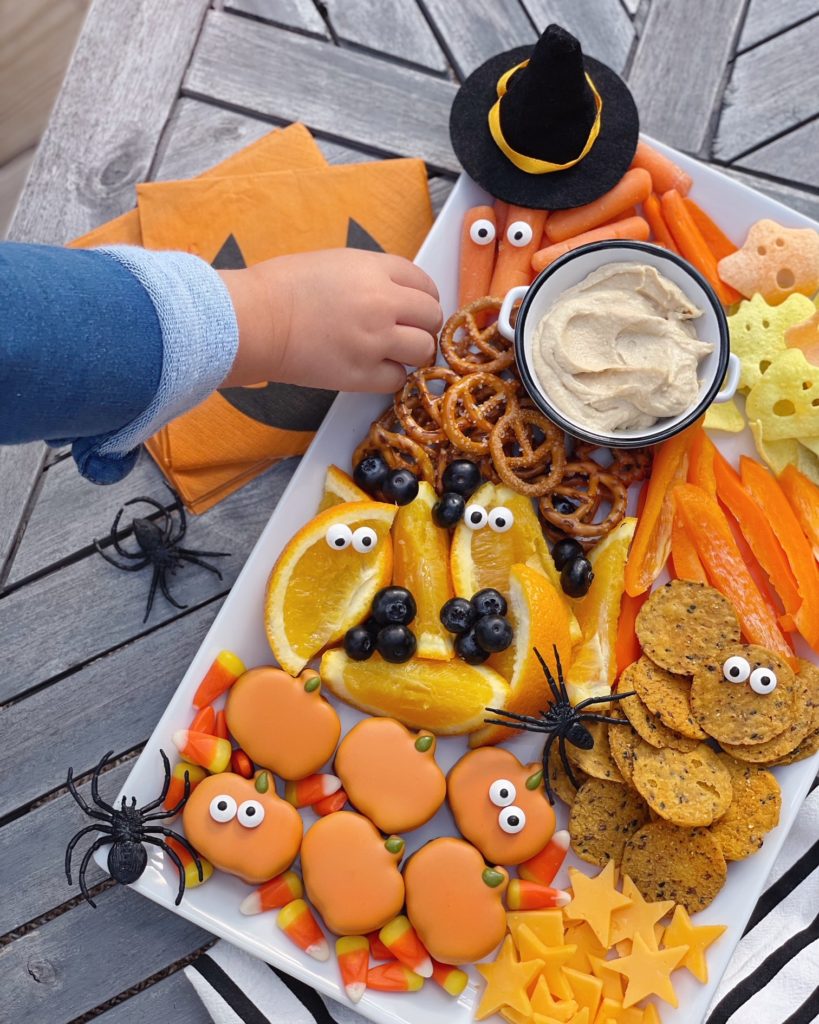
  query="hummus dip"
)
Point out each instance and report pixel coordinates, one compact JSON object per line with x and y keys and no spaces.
{"x":618,"y":350}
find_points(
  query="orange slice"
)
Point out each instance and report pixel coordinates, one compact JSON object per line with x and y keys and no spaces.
{"x":445,"y":697}
{"x":338,"y":488}
{"x":316,"y":593}
{"x":540,"y":619}
{"x":421,"y":553}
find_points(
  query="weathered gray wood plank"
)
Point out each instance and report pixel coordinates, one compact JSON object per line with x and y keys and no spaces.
{"x":396,"y":29}
{"x":604,"y":29}
{"x":679,"y":66}
{"x":173,"y":998}
{"x":95,"y":150}
{"x":298,"y":14}
{"x":475,"y":31}
{"x":439,"y":189}
{"x":42,"y":634}
{"x":772,"y":88}
{"x":84,"y":957}
{"x":795,"y":156}
{"x":330,"y":89}
{"x":805,"y":202}
{"x":12,"y":178}
{"x":20,"y":468}
{"x":767,"y":18}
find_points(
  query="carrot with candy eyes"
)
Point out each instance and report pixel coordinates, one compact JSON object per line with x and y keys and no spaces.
{"x":478,"y":246}
{"x":521,"y":239}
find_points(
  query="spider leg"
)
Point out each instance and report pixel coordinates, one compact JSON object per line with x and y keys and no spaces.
{"x":120,"y":550}
{"x":512,"y":725}
{"x":547,"y":782}
{"x":564,"y":757}
{"x":146,"y":501}
{"x":589,"y":716}
{"x":561,"y":681}
{"x":604,"y":700}
{"x":533,"y":723}
{"x":174,"y":856}
{"x":152,"y":593}
{"x":163,"y":586}
{"x":165,"y":785}
{"x":89,"y":853}
{"x":183,"y":519}
{"x":72,"y":789}
{"x":212,"y":554}
{"x":182,"y":841}
{"x":119,"y":565}
{"x":95,"y":776}
{"x":198,"y":561}
{"x":174,"y":810}
{"x":70,"y":848}
{"x":548,"y":673}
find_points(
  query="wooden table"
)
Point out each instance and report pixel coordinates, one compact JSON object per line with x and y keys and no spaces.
{"x":163,"y":89}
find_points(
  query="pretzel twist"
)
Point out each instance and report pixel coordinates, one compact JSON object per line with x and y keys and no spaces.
{"x":467,"y":346}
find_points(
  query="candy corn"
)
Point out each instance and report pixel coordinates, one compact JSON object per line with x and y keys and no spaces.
{"x":176,"y":789}
{"x":331,"y":803}
{"x":309,"y":791}
{"x":241,"y":764}
{"x":204,"y":720}
{"x":353,"y":953}
{"x":378,"y":951}
{"x":393,"y":977}
{"x":401,"y":940}
{"x":543,"y":867}
{"x":297,"y":922}
{"x":189,"y":864}
{"x":525,"y":895}
{"x":202,"y":748}
{"x":222,"y":674}
{"x":220,"y":729}
{"x":451,"y":979}
{"x":278,"y":892}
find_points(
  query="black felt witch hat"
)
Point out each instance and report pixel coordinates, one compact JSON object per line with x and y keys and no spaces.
{"x":546,"y":128}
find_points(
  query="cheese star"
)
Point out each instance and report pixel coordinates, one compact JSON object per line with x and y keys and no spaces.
{"x":648,"y":970}
{"x":594,"y":900}
{"x":697,"y":937}
{"x":544,"y":1003}
{"x":506,"y":982}
{"x":639,"y":918}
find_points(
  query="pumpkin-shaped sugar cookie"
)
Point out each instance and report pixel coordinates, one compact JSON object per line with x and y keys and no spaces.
{"x":390,"y":774}
{"x":241,"y":826}
{"x":499,"y":805}
{"x":454,"y":901}
{"x":283,"y":723}
{"x":351,"y":873}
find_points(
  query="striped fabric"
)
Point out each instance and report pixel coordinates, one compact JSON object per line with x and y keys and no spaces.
{"x":773,"y":977}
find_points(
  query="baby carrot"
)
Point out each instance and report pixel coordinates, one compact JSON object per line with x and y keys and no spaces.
{"x":543,"y":867}
{"x":630,"y":212}
{"x":634,"y":227}
{"x":272,"y":895}
{"x":692,"y":245}
{"x":716,"y":240}
{"x":297,"y":922}
{"x":353,"y":955}
{"x":654,"y":215}
{"x":204,"y":720}
{"x":210,"y":752}
{"x":501,"y":214}
{"x":665,"y":174}
{"x":514,"y":263}
{"x":631,"y":189}
{"x":222,"y":674}
{"x":478,"y":247}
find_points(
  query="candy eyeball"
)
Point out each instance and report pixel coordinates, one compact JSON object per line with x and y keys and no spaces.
{"x":364,"y":539}
{"x":482,"y":232}
{"x":501,"y":519}
{"x":736,"y":669}
{"x":502,"y":792}
{"x":223,"y":808}
{"x":512,"y":820}
{"x":519,"y":233}
{"x":763,"y":681}
{"x":475,"y":517}
{"x":250,"y":814}
{"x":339,"y":536}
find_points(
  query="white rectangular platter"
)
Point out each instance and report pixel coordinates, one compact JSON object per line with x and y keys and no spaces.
{"x":238,"y":627}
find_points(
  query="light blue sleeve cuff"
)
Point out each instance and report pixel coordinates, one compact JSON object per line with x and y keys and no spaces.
{"x":200,"y":338}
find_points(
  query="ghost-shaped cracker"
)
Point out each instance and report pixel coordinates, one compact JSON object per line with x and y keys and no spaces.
{"x":775,"y":261}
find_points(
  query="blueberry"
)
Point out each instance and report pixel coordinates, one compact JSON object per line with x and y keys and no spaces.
{"x":372,"y":626}
{"x":493,"y":633}
{"x":394,"y":605}
{"x":400,"y":486}
{"x":565,"y":551}
{"x":359,"y":643}
{"x":468,"y":648}
{"x":563,"y":505}
{"x":449,"y":510}
{"x":457,"y":615}
{"x":489,"y":602}
{"x":396,"y":643}
{"x":462,"y":476}
{"x":371,"y":473}
{"x":576,"y":577}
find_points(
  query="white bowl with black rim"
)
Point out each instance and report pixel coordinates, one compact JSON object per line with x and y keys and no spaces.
{"x":718,"y":372}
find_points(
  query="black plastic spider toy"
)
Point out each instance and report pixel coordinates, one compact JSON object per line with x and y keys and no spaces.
{"x":563,"y":721}
{"x":126,"y":830}
{"x":159,"y":547}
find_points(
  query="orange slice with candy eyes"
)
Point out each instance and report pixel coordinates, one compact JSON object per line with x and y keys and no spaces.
{"x":326,"y":578}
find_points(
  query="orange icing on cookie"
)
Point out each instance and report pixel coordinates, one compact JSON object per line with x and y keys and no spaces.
{"x":390,"y":774}
{"x":351,"y":873}
{"x":283,"y":723}
{"x":231,"y":837}
{"x":487,"y":792}
{"x":454,"y":902}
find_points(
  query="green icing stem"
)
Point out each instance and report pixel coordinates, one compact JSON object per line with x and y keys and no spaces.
{"x":312,"y":684}
{"x":394,"y":844}
{"x":492,"y":878}
{"x":262,"y":782}
{"x":534,"y":780}
{"x":423,"y":743}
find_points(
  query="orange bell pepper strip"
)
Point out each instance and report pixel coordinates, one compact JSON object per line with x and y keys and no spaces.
{"x":701,"y":463}
{"x":708,"y":527}
{"x":684,"y":558}
{"x":652,"y":538}
{"x":765,"y":489}
{"x":627,"y":649}
{"x":803,"y":496}
{"x":756,"y":529}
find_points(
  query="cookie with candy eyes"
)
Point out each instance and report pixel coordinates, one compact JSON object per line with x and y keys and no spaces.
{"x":241,"y":826}
{"x":745,"y":695}
{"x":499,"y":805}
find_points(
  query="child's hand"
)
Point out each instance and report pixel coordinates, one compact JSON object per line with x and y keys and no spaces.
{"x":343,"y":319}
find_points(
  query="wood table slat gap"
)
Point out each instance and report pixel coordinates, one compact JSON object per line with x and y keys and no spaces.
{"x":777,"y":137}
{"x":323,"y":31}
